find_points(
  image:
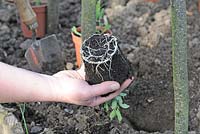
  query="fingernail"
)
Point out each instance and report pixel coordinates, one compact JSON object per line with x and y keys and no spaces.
{"x":115,"y":86}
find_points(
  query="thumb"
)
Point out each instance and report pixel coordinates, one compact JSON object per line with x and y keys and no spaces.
{"x":104,"y":88}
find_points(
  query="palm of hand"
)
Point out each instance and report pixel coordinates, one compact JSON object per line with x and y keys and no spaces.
{"x":71,"y":87}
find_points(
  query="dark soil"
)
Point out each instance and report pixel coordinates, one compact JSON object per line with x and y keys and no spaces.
{"x":112,"y":63}
{"x":144,"y":31}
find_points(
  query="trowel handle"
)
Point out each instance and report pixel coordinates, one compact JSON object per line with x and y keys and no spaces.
{"x":27,"y":14}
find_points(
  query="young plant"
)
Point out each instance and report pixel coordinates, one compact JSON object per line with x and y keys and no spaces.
{"x":99,"y":13}
{"x":101,"y":20}
{"x":114,"y":107}
{"x":74,"y":30}
{"x":104,"y":61}
{"x":38,"y":2}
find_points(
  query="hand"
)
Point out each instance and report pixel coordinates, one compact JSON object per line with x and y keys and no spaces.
{"x":70,"y":86}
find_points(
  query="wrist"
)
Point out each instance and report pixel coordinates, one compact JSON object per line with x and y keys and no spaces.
{"x":51,"y":91}
{"x":56,"y":92}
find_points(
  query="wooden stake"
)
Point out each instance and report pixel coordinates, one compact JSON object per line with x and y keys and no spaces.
{"x":179,"y":62}
{"x":52,"y":16}
{"x":88,"y":18}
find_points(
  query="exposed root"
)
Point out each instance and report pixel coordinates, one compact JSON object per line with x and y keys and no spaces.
{"x":100,"y":51}
{"x":101,"y":55}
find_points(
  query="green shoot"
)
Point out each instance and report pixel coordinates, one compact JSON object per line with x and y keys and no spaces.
{"x":99,"y":13}
{"x":38,"y":2}
{"x":22,"y":108}
{"x":100,"y":20}
{"x":74,"y":30}
{"x":114,"y":106}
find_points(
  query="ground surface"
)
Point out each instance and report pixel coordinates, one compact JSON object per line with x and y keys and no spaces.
{"x":144,"y":31}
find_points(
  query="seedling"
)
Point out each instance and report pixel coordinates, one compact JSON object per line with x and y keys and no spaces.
{"x":101,"y":21}
{"x":104,"y":61}
{"x":38,"y":2}
{"x":74,"y":30}
{"x":114,"y":107}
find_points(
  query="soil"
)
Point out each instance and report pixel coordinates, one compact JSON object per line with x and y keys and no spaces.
{"x":143,"y":29}
{"x":103,"y":60}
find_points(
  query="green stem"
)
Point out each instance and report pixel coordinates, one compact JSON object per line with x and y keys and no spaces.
{"x":179,"y":60}
{"x":22,"y":110}
{"x":88,"y":18}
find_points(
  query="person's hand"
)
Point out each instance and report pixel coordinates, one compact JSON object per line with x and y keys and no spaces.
{"x":70,"y":86}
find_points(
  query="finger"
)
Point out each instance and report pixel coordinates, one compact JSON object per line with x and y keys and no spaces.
{"x":126,"y":83}
{"x":104,"y":88}
{"x":58,"y":74}
{"x":99,"y":100}
{"x":123,"y":86}
{"x":81,"y":71}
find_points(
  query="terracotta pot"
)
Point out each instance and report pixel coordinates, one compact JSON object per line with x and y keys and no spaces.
{"x":199,"y":5}
{"x":77,"y":43}
{"x":152,"y":1}
{"x":41,"y":19}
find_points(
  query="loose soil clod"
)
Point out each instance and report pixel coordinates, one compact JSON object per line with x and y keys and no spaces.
{"x":104,"y":60}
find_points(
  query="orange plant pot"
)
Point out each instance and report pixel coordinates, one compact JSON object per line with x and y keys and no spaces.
{"x":152,"y":1}
{"x":78,"y":41}
{"x":41,"y":19}
{"x":199,"y":5}
{"x":77,"y":44}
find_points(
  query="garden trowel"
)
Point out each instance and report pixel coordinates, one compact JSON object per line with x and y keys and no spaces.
{"x":44,"y":54}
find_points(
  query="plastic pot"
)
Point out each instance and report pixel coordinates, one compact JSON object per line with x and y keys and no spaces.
{"x":41,"y":19}
{"x":77,"y":43}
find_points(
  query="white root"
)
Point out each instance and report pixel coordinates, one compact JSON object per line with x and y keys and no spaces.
{"x":105,"y":58}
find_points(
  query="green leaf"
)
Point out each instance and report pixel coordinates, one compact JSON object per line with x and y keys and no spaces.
{"x":98,"y":9}
{"x":38,"y":2}
{"x":74,"y":30}
{"x":101,"y":14}
{"x":106,"y":106}
{"x":125,"y":106}
{"x":114,"y":104}
{"x":119,"y":99}
{"x":121,"y":104}
{"x":113,"y":114}
{"x":123,"y":94}
{"x":107,"y":26}
{"x":119,"y":115}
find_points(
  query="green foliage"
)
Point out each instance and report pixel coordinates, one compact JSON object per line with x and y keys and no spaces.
{"x":113,"y":114}
{"x":38,"y":2}
{"x":119,"y":115}
{"x":114,"y":107}
{"x":99,"y":11}
{"x":100,"y":20}
{"x":74,"y":30}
